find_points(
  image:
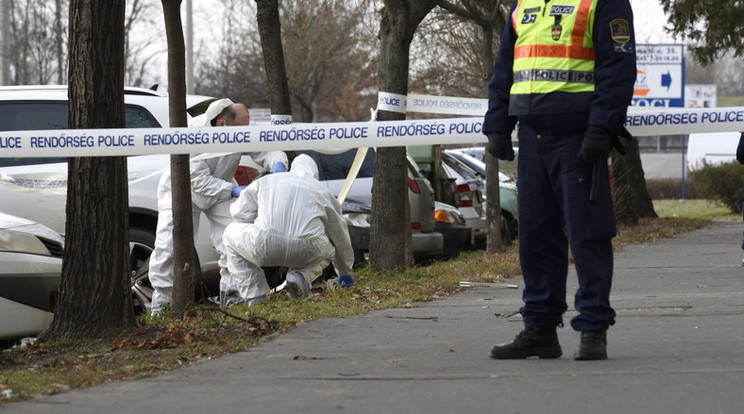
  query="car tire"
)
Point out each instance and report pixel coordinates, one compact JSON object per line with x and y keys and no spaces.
{"x":141,"y":245}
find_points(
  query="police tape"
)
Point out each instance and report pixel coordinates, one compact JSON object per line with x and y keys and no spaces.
{"x":392,"y":102}
{"x":327,"y":137}
{"x":448,"y":105}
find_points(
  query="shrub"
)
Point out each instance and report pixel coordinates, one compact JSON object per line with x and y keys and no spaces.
{"x":723,"y":183}
{"x":671,"y":188}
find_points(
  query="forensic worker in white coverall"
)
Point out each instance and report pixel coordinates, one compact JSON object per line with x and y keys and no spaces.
{"x":289,"y":220}
{"x":212,"y":191}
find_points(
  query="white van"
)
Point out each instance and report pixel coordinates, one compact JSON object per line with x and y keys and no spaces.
{"x":713,"y":147}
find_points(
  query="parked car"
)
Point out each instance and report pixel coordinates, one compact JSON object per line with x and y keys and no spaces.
{"x":506,"y":168}
{"x":507,"y":193}
{"x":35,"y":188}
{"x":466,"y":194}
{"x":451,"y":223}
{"x":429,"y":237}
{"x":463,"y":187}
{"x":30,"y":269}
{"x":711,"y":148}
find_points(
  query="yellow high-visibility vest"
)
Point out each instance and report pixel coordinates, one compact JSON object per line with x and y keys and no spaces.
{"x":554,"y":51}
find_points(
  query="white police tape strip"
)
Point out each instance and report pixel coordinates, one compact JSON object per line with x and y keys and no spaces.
{"x":450,"y":105}
{"x":639,"y":121}
{"x":684,"y":121}
{"x":392,"y":102}
{"x":330,"y":137}
{"x":281,"y":119}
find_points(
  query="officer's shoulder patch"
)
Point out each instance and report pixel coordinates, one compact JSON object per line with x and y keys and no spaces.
{"x":623,"y":48}
{"x":620,"y":31}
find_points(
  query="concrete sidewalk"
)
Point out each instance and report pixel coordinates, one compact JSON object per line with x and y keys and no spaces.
{"x":677,"y":347}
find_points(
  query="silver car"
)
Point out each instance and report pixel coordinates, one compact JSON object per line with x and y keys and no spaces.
{"x":470,"y":167}
{"x":35,"y":188}
{"x":30,"y":268}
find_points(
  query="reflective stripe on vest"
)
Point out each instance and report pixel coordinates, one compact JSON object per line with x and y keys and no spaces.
{"x":554,"y":51}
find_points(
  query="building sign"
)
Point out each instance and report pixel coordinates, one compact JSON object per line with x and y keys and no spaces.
{"x":660,"y":79}
{"x":700,"y":96}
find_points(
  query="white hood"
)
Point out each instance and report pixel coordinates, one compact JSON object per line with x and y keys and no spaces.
{"x":304,"y":164}
{"x":214,"y":109}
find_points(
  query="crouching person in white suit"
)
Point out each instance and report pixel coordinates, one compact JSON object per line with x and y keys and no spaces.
{"x":289,"y":220}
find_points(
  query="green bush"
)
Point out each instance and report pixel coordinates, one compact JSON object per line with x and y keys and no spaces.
{"x":723,"y":183}
{"x":670,"y":188}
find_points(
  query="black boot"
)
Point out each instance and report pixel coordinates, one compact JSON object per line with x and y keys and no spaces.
{"x":592,"y":346}
{"x":538,"y":341}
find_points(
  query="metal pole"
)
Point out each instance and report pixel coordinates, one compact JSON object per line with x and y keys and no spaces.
{"x":683,"y":166}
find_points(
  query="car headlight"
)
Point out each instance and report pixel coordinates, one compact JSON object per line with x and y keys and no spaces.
{"x":14,"y":241}
{"x":448,"y":216}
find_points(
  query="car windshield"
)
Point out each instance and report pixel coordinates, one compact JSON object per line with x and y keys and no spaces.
{"x":30,"y":115}
{"x":35,"y":115}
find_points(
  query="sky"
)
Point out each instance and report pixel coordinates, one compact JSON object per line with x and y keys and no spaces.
{"x":649,"y":19}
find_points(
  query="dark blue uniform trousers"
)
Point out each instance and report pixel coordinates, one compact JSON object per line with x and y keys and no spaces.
{"x":555,"y":212}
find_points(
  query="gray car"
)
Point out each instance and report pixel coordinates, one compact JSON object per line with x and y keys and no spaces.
{"x":36,"y":188}
{"x":30,"y":268}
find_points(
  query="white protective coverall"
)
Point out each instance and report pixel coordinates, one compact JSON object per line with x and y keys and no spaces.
{"x":287,"y":219}
{"x":211,"y":194}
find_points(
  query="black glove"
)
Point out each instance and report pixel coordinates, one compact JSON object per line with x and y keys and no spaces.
{"x":501,"y":147}
{"x":740,"y":150}
{"x":596,"y":146}
{"x":617,"y":144}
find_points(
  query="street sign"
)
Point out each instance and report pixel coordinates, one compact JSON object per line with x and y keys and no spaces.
{"x":660,"y":81}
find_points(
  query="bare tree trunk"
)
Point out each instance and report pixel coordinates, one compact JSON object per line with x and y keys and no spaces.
{"x":390,"y":232}
{"x":58,"y":41}
{"x":494,"y":243}
{"x":5,"y":37}
{"x":629,"y":192}
{"x":269,"y":29}
{"x":184,"y":260}
{"x":95,"y":298}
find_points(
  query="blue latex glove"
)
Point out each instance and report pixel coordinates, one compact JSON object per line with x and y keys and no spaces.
{"x":277,"y":168}
{"x":236,"y":190}
{"x":346,"y":281}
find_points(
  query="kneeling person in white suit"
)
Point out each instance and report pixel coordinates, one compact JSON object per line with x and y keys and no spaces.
{"x":289,"y":220}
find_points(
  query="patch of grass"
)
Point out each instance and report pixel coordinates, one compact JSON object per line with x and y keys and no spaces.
{"x":694,"y":209}
{"x":162,"y":344}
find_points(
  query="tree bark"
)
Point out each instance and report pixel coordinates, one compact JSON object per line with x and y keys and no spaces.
{"x":629,"y":192}
{"x":269,"y":29}
{"x":390,"y":231}
{"x":184,"y":257}
{"x":494,"y":243}
{"x":95,"y":297}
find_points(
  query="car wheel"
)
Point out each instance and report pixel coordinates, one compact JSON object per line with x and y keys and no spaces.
{"x":508,"y":228}
{"x":141,"y":244}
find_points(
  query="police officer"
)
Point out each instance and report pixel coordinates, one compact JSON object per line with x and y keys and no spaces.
{"x":565,"y":72}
